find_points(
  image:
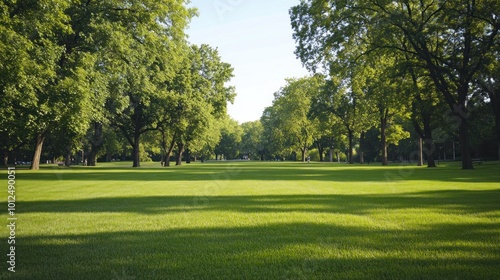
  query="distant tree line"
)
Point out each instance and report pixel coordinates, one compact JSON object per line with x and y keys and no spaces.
{"x":391,"y":79}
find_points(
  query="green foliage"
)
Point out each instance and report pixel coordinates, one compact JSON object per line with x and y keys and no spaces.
{"x":229,"y":145}
{"x":252,"y":140}
{"x":198,"y":102}
{"x":452,"y":41}
{"x":287,"y":123}
{"x":29,"y":56}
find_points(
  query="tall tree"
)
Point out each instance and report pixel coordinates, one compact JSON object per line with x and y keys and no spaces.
{"x":30,"y":56}
{"x":489,"y":83}
{"x":200,"y":97}
{"x":425,"y":107}
{"x":451,"y":40}
{"x":146,"y":45}
{"x":385,"y":91}
{"x":341,"y":98}
{"x":289,"y":117}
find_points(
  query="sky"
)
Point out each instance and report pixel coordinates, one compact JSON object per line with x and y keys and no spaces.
{"x":255,"y":37}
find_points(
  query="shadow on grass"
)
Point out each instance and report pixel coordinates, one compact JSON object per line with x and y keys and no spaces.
{"x":269,"y":172}
{"x":459,"y":201}
{"x":277,"y":251}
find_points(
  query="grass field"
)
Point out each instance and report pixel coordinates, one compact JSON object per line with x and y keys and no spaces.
{"x":251,"y":220}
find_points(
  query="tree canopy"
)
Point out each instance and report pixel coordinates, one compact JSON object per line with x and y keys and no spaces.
{"x":454,"y":41}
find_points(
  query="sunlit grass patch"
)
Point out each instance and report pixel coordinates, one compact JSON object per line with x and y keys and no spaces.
{"x":251,"y":220}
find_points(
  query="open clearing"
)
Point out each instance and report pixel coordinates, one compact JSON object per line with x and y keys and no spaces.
{"x":253,"y":220}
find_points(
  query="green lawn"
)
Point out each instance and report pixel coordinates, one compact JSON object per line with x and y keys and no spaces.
{"x":251,"y":220}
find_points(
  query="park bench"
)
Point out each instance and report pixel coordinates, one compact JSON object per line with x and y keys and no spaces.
{"x":477,"y":161}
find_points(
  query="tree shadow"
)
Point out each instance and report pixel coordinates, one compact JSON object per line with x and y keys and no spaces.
{"x":269,"y":172}
{"x":275,"y":251}
{"x":457,"y":201}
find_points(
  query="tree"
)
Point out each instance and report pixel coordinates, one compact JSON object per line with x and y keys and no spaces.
{"x":146,"y":45}
{"x":251,"y":140}
{"x":489,"y":83}
{"x":425,"y":108}
{"x":273,"y":137}
{"x":288,"y":119}
{"x":385,"y":91}
{"x":451,"y":40}
{"x":341,"y":101}
{"x":229,"y":145}
{"x":34,"y":98}
{"x":199,"y":99}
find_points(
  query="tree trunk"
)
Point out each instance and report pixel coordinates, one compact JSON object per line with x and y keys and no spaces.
{"x":95,"y":143}
{"x":92,"y":157}
{"x":303,"y":151}
{"x":180,"y":147}
{"x":331,"y":154}
{"x":429,"y":149}
{"x":351,"y":136}
{"x":35,"y":162}
{"x":67,"y":159}
{"x":465,"y":145}
{"x":383,"y":141}
{"x":429,"y":146}
{"x":362,"y":148}
{"x":136,"y":150}
{"x":420,"y":152}
{"x":496,"y":110}
{"x":321,"y":151}
{"x":169,"y":153}
{"x":188,"y":156}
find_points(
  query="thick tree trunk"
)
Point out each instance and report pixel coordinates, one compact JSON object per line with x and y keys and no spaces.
{"x":37,"y":153}
{"x":136,"y":150}
{"x":180,"y":147}
{"x":303,"y":151}
{"x":169,"y":153}
{"x":188,"y":156}
{"x":321,"y":151}
{"x":331,"y":154}
{"x":67,"y":159}
{"x":496,"y":110}
{"x":95,"y":143}
{"x":92,"y":157}
{"x":429,"y":146}
{"x":383,"y":141}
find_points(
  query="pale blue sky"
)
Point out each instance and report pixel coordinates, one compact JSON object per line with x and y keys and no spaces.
{"x":255,"y":37}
